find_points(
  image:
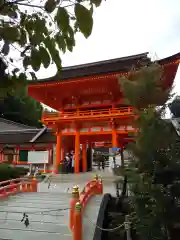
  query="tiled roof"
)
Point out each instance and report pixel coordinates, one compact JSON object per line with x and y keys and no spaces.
{"x":6,"y":125}
{"x":101,"y":67}
{"x":23,"y":137}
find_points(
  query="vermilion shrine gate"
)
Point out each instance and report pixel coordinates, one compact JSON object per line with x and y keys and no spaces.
{"x":89,"y":103}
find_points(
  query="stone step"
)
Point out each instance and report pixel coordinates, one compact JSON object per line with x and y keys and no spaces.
{"x":60,"y":217}
{"x":31,"y":210}
{"x":44,"y":210}
{"x":30,"y":202}
{"x":80,"y":179}
{"x":35,"y":226}
{"x":55,"y":196}
{"x":29,"y":235}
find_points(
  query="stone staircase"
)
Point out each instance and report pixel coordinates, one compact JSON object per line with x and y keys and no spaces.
{"x":44,"y":223}
{"x":82,"y":178}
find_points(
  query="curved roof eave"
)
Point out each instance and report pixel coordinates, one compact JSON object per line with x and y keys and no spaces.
{"x":102,"y":67}
{"x":88,"y":66}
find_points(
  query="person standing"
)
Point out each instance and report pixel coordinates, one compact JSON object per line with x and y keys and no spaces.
{"x":67,"y":162}
{"x":103,"y":163}
{"x":72,"y":163}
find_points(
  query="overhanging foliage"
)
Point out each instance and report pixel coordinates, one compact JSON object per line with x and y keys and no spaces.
{"x":36,"y":33}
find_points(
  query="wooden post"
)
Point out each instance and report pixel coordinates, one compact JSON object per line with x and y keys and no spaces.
{"x":74,"y":200}
{"x":58,"y":150}
{"x":122,"y":155}
{"x":84,"y":157}
{"x":77,"y":231}
{"x":127,"y":226}
{"x":77,"y":152}
{"x":17,"y":155}
{"x":34,"y":185}
{"x":14,"y":156}
{"x":114,"y":136}
{"x":100,"y":186}
{"x":63,"y":153}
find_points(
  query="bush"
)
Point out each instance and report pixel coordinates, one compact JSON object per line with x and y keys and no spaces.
{"x":8,"y":172}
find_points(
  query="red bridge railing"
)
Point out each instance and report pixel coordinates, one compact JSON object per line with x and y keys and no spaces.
{"x":79,"y":202}
{"x":13,"y":186}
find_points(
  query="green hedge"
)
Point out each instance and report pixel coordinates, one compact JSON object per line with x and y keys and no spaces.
{"x":8,"y":172}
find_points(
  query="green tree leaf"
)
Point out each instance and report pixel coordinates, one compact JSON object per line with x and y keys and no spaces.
{"x":45,"y":58}
{"x":70,"y":40}
{"x":33,"y":75}
{"x":35,"y":60}
{"x":51,"y":46}
{"x":50,"y":6}
{"x":26,"y":61}
{"x":11,"y":34}
{"x":22,"y":78}
{"x":61,"y":42}
{"x":97,"y":3}
{"x":5,"y":49}
{"x":84,"y":19}
{"x":62,"y":19}
{"x":16,"y":70}
{"x":23,"y":37}
{"x":1,"y":2}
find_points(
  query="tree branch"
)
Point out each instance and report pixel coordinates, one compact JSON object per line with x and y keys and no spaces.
{"x":30,"y":5}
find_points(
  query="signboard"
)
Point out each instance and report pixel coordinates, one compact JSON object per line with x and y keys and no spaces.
{"x":115,"y":149}
{"x":38,"y":157}
{"x":99,"y":144}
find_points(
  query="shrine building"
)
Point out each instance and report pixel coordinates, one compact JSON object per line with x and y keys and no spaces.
{"x":89,"y":104}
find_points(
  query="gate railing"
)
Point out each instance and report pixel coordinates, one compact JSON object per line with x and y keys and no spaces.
{"x":14,"y":186}
{"x":79,"y":202}
{"x":48,"y":116}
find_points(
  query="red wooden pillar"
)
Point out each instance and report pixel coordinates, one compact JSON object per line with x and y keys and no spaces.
{"x":77,"y":231}
{"x":114,"y":136}
{"x":62,"y":153}
{"x":84,"y":157}
{"x":58,"y":150}
{"x":77,"y":151}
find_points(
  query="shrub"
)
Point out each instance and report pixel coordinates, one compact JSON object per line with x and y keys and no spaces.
{"x":8,"y":172}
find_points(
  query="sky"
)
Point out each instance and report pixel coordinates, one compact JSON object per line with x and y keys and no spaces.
{"x":127,"y":27}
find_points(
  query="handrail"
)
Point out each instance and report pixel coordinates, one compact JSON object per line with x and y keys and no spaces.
{"x":79,"y":202}
{"x":17,"y":185}
{"x":85,"y":113}
{"x":13,"y":180}
{"x":92,"y":188}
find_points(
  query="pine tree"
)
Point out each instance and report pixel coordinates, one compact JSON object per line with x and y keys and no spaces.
{"x":154,"y":175}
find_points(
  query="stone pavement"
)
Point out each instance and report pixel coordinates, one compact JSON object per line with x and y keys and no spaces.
{"x":65,"y":182}
{"x":46,"y":225}
{"x":51,"y":225}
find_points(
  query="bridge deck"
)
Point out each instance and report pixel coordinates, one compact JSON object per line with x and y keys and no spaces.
{"x":52,"y":224}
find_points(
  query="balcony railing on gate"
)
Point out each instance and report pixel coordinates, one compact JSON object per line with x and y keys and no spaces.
{"x":88,"y":113}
